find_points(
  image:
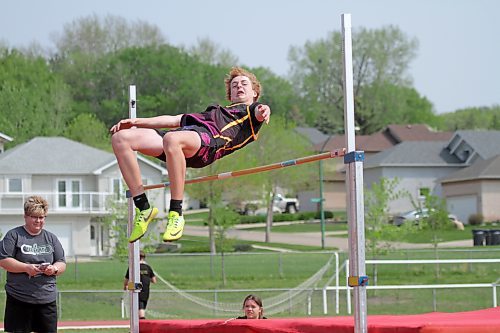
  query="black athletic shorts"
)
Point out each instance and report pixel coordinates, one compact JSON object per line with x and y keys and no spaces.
{"x":143,"y":304}
{"x":206,"y":154}
{"x":27,"y":317}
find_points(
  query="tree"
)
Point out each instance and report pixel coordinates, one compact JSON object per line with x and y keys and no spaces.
{"x":377,"y":216}
{"x":471,"y":118}
{"x":435,"y":221}
{"x":279,"y":143}
{"x":96,"y":36}
{"x":116,"y":223}
{"x":280,"y":95}
{"x":381,"y":57}
{"x":385,"y":103}
{"x":224,"y":218}
{"x":209,"y":52}
{"x":89,"y":130}
{"x":35,"y":101}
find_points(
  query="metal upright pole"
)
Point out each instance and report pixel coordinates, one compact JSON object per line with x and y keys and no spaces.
{"x":354,"y":188}
{"x":321,"y":205}
{"x":134,"y":285}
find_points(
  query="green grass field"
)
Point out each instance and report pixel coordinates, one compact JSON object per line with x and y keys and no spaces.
{"x":264,"y":270}
{"x":261,"y":271}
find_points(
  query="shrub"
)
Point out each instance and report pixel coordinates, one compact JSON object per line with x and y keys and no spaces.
{"x":301,"y":216}
{"x":476,"y":219}
{"x":243,"y":247}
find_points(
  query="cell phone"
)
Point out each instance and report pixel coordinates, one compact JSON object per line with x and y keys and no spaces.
{"x":43,"y":266}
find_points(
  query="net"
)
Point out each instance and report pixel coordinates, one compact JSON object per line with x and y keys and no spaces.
{"x":172,"y":302}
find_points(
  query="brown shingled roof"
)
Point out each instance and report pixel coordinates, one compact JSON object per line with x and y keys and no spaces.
{"x":416,"y":132}
{"x":390,"y":136}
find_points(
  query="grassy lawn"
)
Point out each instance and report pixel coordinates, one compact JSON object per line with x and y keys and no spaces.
{"x":307,"y":227}
{"x":398,"y":234}
{"x":261,"y":271}
{"x":230,"y":277}
{"x":190,"y":244}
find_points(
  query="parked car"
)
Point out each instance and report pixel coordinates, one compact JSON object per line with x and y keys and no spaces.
{"x":281,"y":204}
{"x":412,"y":215}
{"x":417,"y":214}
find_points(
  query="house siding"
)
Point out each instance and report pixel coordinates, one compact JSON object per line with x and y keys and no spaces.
{"x":490,"y":200}
{"x":487,"y":193}
{"x":85,"y":205}
{"x":411,"y":179}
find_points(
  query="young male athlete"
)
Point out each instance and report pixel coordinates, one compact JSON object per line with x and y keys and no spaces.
{"x":198,"y":140}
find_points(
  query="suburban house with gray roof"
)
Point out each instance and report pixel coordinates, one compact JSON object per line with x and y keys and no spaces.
{"x":389,"y":137}
{"x":464,"y":170}
{"x":4,"y":138}
{"x":80,"y":183}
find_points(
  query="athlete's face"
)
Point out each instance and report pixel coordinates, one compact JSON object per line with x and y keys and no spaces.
{"x":242,"y":90}
{"x":252,"y":309}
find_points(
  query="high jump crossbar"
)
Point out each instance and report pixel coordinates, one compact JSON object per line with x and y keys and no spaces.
{"x":264,"y":168}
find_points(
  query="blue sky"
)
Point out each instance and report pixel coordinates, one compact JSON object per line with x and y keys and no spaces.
{"x":457,"y":65}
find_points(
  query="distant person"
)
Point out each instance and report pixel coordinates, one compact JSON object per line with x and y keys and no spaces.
{"x":195,"y":141}
{"x":147,"y":276}
{"x":252,"y":308}
{"x":33,"y":257}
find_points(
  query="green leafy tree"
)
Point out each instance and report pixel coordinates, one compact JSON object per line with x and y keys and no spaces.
{"x":385,"y":103}
{"x":116,"y":222}
{"x":94,"y":35}
{"x":36,"y":102}
{"x":209,"y":52}
{"x":280,"y":95}
{"x":89,"y":130}
{"x":471,"y":119}
{"x":224,"y":218}
{"x":377,"y":216}
{"x":168,"y":81}
{"x":436,"y":221}
{"x":277,"y":143}
{"x":381,"y":59}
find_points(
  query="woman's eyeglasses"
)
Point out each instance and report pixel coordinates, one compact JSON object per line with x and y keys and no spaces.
{"x":37,"y":218}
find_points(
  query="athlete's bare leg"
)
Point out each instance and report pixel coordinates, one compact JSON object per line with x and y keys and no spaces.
{"x":125,"y":143}
{"x":179,"y":145}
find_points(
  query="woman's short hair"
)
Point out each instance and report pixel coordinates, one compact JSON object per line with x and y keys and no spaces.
{"x":35,"y":205}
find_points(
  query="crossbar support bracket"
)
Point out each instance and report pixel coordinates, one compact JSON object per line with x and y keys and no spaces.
{"x":135,"y":287}
{"x":357,"y":281}
{"x":354,"y":156}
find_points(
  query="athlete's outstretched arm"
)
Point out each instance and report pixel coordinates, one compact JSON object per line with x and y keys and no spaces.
{"x":153,"y":122}
{"x":263,"y":113}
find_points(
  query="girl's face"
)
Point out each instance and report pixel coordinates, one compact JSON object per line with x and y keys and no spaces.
{"x":252,"y":309}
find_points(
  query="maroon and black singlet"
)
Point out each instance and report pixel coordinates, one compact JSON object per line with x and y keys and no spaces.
{"x":222,"y":130}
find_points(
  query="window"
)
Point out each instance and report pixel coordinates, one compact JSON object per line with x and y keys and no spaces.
{"x":69,"y":195}
{"x":117,"y":189}
{"x":424,"y":192}
{"x":15,"y":185}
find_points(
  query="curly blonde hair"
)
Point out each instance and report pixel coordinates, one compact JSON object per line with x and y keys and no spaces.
{"x":237,"y":71}
{"x":36,"y":206}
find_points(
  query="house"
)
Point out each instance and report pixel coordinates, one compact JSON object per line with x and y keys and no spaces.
{"x":464,"y":170}
{"x":3,"y":139}
{"x":476,"y":187}
{"x":80,"y":183}
{"x":334,"y":170}
{"x":417,"y":165}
